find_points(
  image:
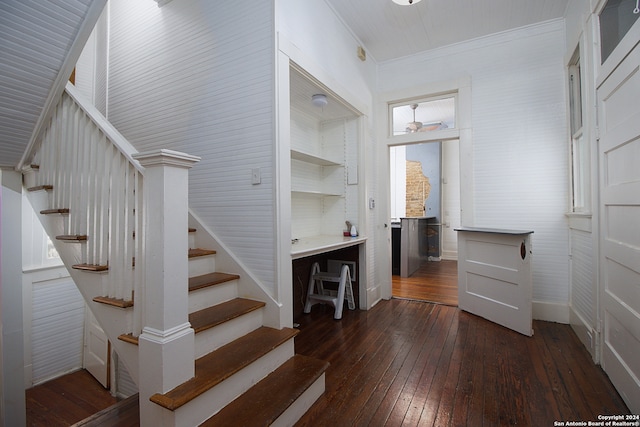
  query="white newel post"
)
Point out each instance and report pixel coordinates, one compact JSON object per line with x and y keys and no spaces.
{"x":166,"y":344}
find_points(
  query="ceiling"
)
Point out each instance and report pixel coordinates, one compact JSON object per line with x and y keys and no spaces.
{"x":303,"y":87}
{"x":36,"y":42}
{"x":39,"y":41}
{"x":389,"y":31}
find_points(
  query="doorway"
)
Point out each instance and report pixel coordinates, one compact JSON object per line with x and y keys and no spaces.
{"x":425,"y":210}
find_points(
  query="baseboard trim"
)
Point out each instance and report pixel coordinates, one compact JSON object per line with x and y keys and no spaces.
{"x":551,"y":312}
{"x":587,"y":335}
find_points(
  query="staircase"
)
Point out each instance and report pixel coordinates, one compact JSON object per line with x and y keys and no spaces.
{"x":194,"y":341}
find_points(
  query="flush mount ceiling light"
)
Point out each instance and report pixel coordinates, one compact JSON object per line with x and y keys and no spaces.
{"x":319,"y":100}
{"x":406,"y":2}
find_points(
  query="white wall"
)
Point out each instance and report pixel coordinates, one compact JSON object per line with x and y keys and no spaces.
{"x":313,"y":27}
{"x":520,"y":163}
{"x":450,"y":198}
{"x":198,"y":76}
{"x":12,"y":400}
{"x":53,"y":308}
{"x":398,"y":181}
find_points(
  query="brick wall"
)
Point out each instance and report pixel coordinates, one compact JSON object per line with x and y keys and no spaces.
{"x":418,"y":188}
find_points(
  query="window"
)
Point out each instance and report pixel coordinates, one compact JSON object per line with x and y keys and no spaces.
{"x":423,"y":115}
{"x":580,"y":155}
{"x":616,"y":18}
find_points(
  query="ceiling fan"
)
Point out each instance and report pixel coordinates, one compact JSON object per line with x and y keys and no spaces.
{"x":415,"y":126}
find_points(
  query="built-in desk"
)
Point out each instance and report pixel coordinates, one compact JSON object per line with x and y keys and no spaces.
{"x":324,"y":250}
{"x":314,"y":245}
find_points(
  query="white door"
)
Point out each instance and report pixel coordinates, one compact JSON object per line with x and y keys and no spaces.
{"x":96,"y":350}
{"x":619,"y":157}
{"x":494,"y":276}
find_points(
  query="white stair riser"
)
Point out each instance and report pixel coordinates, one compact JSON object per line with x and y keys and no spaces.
{"x":209,"y":403}
{"x":301,"y":404}
{"x":192,"y":239}
{"x":214,"y":338}
{"x":212,"y":295}
{"x":202,"y":265}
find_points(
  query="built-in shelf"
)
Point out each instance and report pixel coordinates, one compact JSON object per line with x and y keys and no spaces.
{"x":310,"y":158}
{"x":315,"y":193}
{"x":323,"y":180}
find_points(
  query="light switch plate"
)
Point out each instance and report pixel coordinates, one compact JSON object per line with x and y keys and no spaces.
{"x":255,"y":176}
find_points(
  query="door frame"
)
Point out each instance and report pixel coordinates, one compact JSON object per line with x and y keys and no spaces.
{"x":462,"y":132}
{"x":627,"y":49}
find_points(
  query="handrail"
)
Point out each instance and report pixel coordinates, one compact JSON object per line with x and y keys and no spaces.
{"x":94,"y":175}
{"x":104,"y":125}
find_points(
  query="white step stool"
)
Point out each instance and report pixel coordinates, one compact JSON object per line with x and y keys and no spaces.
{"x":336,"y":299}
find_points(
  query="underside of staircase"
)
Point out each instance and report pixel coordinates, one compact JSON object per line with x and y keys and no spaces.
{"x":244,"y":373}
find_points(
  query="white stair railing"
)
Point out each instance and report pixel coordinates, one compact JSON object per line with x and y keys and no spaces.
{"x":93,"y":174}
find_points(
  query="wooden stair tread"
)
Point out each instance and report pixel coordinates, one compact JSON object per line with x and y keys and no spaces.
{"x":72,"y":237}
{"x":218,"y":314}
{"x":215,"y":367}
{"x":270,"y":397}
{"x":212,"y":316}
{"x":63,"y":211}
{"x":210,"y":279}
{"x":40,"y":187}
{"x":121,"y":303}
{"x":129,"y":338}
{"x":196,"y":252}
{"x":90,"y":267}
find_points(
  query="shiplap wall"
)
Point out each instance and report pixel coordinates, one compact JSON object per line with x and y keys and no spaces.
{"x":198,"y":76}
{"x":52,"y":305}
{"x":520,"y":153}
{"x":582,"y":276}
{"x":57,"y":328}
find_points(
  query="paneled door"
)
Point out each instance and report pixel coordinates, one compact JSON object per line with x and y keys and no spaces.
{"x":494,"y":276}
{"x":619,"y":156}
{"x":96,"y":350}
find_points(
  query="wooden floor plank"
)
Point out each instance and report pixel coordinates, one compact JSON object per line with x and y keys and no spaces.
{"x":406,"y":357}
{"x":464,"y":389}
{"x":404,"y":354}
{"x":451,"y":368}
{"x":438,"y":370}
{"x":434,"y":281}
{"x":413,"y":394}
{"x":451,"y":384}
{"x":66,"y":400}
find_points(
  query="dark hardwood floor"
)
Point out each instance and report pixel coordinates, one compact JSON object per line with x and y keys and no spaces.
{"x":413,"y":363}
{"x":434,"y":281}
{"x":66,"y":400}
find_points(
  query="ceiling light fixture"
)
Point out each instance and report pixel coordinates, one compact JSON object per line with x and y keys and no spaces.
{"x":406,"y":2}
{"x":319,"y":100}
{"x":413,"y":126}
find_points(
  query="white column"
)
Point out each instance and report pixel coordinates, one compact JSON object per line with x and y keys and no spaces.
{"x":12,"y":384}
{"x":166,"y":345}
